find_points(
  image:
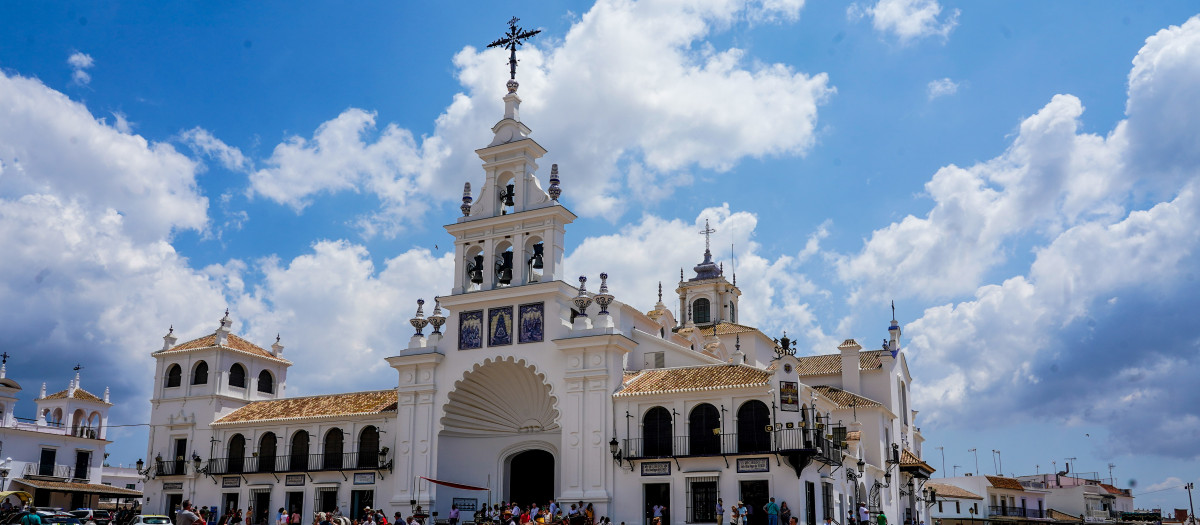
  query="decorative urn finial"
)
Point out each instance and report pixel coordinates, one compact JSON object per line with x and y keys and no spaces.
{"x":466,"y":205}
{"x":419,"y":321}
{"x":554,"y":191}
{"x":582,"y":301}
{"x":512,"y":86}
{"x":603,"y":298}
{"x":437,"y":319}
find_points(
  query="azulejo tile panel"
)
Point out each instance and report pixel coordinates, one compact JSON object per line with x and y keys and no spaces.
{"x":470,"y":329}
{"x":500,"y":326}
{"x":532,"y":323}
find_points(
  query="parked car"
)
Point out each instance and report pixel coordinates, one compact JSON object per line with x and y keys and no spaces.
{"x":61,"y":519}
{"x":150,"y":519}
{"x":90,"y":516}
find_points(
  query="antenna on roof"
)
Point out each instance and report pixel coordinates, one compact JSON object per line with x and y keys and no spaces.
{"x":733,"y":262}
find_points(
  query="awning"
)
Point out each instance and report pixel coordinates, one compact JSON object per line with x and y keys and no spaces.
{"x":453,"y":485}
{"x":21,"y":495}
{"x":78,"y":488}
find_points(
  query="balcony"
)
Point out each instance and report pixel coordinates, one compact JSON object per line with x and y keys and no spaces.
{"x":48,"y":470}
{"x":803,"y":444}
{"x":171,"y":468}
{"x":1014,"y":512}
{"x":295,"y":463}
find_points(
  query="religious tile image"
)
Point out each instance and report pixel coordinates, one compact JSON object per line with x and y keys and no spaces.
{"x":500,"y":324}
{"x":470,"y":330}
{"x":531,"y":323}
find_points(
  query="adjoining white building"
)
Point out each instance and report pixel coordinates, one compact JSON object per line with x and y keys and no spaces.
{"x":534,"y":387}
{"x":57,"y":457}
{"x":1083,"y":496}
{"x":987,"y":499}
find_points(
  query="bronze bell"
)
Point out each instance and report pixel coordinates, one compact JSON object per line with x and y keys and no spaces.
{"x":475,"y":270}
{"x":504,"y":268}
{"x":508,"y":194}
{"x":536,"y":261}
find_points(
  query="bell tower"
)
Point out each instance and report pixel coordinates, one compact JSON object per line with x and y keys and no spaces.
{"x":512,"y":233}
{"x":708,"y":298}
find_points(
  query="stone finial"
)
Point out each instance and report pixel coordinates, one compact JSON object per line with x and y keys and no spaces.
{"x":106,"y":395}
{"x":583,"y":300}
{"x":419,"y":321}
{"x":3,"y":370}
{"x":603,"y":298}
{"x":436,"y":320}
{"x":42,"y":394}
{"x":224,"y":329}
{"x":512,"y":86}
{"x":169,"y":339}
{"x":554,"y":191}
{"x":466,"y":201}
{"x":681,"y":275}
{"x":277,"y":348}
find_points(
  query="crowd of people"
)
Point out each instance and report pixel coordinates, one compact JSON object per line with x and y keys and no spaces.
{"x":513,"y":513}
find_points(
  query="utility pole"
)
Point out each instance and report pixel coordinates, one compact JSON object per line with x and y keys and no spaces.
{"x":976,"y":460}
{"x":1191,"y":507}
{"x":943,"y":451}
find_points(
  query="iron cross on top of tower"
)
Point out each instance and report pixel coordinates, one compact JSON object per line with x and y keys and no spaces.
{"x":707,"y":231}
{"x":511,"y":41}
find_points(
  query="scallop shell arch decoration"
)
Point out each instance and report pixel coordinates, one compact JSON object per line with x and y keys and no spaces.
{"x":501,"y":397}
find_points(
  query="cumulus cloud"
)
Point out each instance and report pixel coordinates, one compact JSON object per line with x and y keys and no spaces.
{"x":1100,"y":311}
{"x":776,"y":293}
{"x":907,"y":20}
{"x":52,"y":145}
{"x":644,"y":129}
{"x":941,"y":87}
{"x":80,"y":63}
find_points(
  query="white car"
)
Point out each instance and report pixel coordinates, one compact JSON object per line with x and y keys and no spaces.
{"x":150,"y":519}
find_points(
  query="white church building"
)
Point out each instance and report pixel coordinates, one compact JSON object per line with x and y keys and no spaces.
{"x":537,"y":385}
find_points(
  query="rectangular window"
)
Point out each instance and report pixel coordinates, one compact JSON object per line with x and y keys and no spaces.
{"x":810,"y":500}
{"x":131,"y":486}
{"x":827,"y":501}
{"x":940,"y":506}
{"x":957,"y":508}
{"x":46,"y":465}
{"x":701,"y":500}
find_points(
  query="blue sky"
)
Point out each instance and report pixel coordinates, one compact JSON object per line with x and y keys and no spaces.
{"x":1020,"y":177}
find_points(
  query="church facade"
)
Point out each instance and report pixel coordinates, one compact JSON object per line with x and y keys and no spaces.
{"x":532,"y":386}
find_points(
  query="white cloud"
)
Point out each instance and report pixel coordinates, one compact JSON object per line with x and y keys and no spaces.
{"x":670,"y":102}
{"x":941,"y":87}
{"x":204,"y":143}
{"x":775,"y":293}
{"x":907,"y":20}
{"x":80,"y":62}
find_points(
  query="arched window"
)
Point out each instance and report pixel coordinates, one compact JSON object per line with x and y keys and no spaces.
{"x":299,"y":459}
{"x":704,"y":430}
{"x":237,"y":454}
{"x":200,"y":374}
{"x":732,"y":312}
{"x":94,"y":423}
{"x":656,"y":433}
{"x":78,"y":424}
{"x":753,"y":418}
{"x":904,"y":403}
{"x":174,"y":376}
{"x":266,"y":452}
{"x":700,"y":311}
{"x":237,"y":376}
{"x":368,"y":448}
{"x":333,"y":450}
{"x":266,"y":383}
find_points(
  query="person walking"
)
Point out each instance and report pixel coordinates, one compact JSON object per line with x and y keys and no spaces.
{"x":453,"y":515}
{"x":772,"y":510}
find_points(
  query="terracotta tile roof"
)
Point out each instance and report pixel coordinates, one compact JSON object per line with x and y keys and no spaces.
{"x":950,"y":491}
{"x":231,"y":341}
{"x":629,"y":375}
{"x":830,"y":364}
{"x":854,"y":435}
{"x":80,"y":394}
{"x":908,"y":459}
{"x":845,"y":399}
{"x":1114,"y":490}
{"x":1002,"y":482}
{"x":88,"y":488}
{"x":694,"y":378}
{"x":313,"y":407}
{"x":723,"y":328}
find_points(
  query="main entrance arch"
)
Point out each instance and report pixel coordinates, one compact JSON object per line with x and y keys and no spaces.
{"x":531,"y":477}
